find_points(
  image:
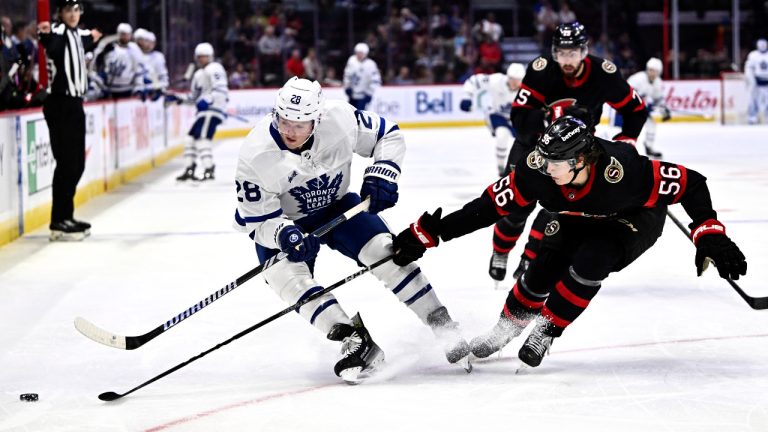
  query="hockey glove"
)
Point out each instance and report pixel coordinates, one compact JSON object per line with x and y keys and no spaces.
{"x":296,"y":246}
{"x":713,"y":245}
{"x":141,"y":94}
{"x":380,"y":183}
{"x":665,"y":114}
{"x":171,"y":99}
{"x":202,"y":105}
{"x":348,"y":91}
{"x":413,"y":241}
{"x":465,"y":105}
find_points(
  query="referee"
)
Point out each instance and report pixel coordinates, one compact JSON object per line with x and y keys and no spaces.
{"x":65,"y":45}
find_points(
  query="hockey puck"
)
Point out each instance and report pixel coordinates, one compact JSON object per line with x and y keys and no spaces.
{"x":29,"y":397}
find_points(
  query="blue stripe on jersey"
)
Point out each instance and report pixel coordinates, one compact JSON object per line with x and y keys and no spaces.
{"x":254,"y":219}
{"x":308,"y":293}
{"x":382,"y":124}
{"x":394,"y":128}
{"x":406,"y":280}
{"x":321,"y":308}
{"x":418,"y":295}
{"x":390,"y":163}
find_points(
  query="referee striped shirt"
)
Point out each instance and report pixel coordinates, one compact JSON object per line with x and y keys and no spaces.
{"x":65,"y":48}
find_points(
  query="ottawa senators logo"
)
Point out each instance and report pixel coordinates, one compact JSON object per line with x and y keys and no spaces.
{"x":534,"y":159}
{"x":608,"y":66}
{"x":540,"y":63}
{"x":614,"y":172}
{"x":552,"y":228}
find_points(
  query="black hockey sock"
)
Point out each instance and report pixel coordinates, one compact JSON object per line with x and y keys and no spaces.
{"x":568,"y":300}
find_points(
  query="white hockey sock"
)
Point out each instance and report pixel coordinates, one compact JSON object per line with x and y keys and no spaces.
{"x":206,"y":154}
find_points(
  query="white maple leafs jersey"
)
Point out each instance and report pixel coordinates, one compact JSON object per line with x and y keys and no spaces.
{"x":124,"y":68}
{"x":493,"y":90}
{"x":362,"y":77}
{"x":756,"y":68}
{"x":651,"y":92}
{"x":210,"y":83}
{"x":276,"y":185}
{"x":157,"y":70}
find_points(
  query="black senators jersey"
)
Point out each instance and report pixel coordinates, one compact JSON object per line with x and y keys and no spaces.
{"x":599,"y":82}
{"x":620,"y":183}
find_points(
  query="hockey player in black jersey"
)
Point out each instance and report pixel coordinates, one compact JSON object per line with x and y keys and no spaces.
{"x":570,"y":81}
{"x":610,"y":205}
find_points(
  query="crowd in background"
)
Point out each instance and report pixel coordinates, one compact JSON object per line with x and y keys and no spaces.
{"x":411,"y":45}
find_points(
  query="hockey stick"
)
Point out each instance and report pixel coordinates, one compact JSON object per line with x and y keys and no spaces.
{"x":110,"y":396}
{"x":95,"y":333}
{"x":757,"y":303}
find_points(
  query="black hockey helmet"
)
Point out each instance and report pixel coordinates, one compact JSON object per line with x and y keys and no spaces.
{"x":61,"y":4}
{"x":565,"y":139}
{"x":569,"y":35}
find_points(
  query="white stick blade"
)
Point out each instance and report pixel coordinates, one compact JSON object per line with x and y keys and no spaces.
{"x":95,"y":333}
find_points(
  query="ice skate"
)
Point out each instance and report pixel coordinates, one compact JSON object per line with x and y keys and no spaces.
{"x":69,"y":230}
{"x":447,"y":332}
{"x":495,"y":339}
{"x":497,"y":268}
{"x":208,"y":174}
{"x":188,"y":174}
{"x":361,"y":355}
{"x":521,"y":267}
{"x":536,"y":346}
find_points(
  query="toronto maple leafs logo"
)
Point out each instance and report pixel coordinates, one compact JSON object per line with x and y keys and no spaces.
{"x":317,"y":193}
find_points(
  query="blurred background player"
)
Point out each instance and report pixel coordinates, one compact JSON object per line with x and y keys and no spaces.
{"x":118,"y":64}
{"x":293,"y":176}
{"x":619,"y":215}
{"x":156,"y":78}
{"x":210,"y":94}
{"x":756,"y":73}
{"x":502,"y":90}
{"x":569,"y":81}
{"x":650,"y":87}
{"x":361,"y":77}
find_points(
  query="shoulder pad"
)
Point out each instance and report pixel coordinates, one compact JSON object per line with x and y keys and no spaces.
{"x":608,"y":66}
{"x":539,"y":64}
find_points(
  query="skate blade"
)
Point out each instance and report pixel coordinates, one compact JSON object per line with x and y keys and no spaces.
{"x":466,"y":364}
{"x":498,"y":286}
{"x":68,"y":237}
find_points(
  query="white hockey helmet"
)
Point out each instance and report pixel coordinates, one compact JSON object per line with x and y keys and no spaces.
{"x":204,"y":49}
{"x":298,"y":100}
{"x":362,"y":48}
{"x":140,"y":33}
{"x":124,"y":28}
{"x":516,"y":71}
{"x":762,"y":45}
{"x":150,"y":36}
{"x":654,"y":64}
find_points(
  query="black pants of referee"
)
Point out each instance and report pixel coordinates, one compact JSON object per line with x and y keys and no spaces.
{"x":66,"y":125}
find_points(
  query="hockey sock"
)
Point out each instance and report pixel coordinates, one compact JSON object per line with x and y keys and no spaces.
{"x":568,"y":300}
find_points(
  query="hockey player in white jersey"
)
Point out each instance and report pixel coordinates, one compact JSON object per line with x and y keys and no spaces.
{"x":120,"y":66}
{"x":756,"y":73}
{"x":361,"y":77}
{"x":293,"y":176}
{"x":156,"y":78}
{"x":649,"y":86}
{"x":502,"y":91}
{"x":210,"y":94}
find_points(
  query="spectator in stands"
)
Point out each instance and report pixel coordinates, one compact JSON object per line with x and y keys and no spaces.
{"x":489,"y":27}
{"x":270,"y":49}
{"x":565,"y":14}
{"x":294,"y":66}
{"x":313,"y":70}
{"x":490,"y":56}
{"x":403,"y":77}
{"x":330,"y":79}
{"x":239,"y":77}
{"x":546,"y":23}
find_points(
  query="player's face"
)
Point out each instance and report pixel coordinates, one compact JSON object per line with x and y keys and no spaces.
{"x":514,"y":83}
{"x":569,"y":60}
{"x":652,"y":74}
{"x":360,"y":55}
{"x":124,"y":38}
{"x":71,"y":15}
{"x":294,"y":133}
{"x":203,"y":60}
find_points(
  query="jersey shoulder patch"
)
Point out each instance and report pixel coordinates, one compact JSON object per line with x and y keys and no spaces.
{"x":614,"y":172}
{"x":608,"y":66}
{"x":534,"y":160}
{"x":539,"y":64}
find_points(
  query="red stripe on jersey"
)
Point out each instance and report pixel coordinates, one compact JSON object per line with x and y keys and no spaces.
{"x":578,"y":194}
{"x":530,"y":254}
{"x":530,"y":304}
{"x":655,"y":189}
{"x":554,"y":319}
{"x":619,"y":105}
{"x":498,"y":233}
{"x":538,"y":235}
{"x":538,"y":96}
{"x":683,"y":183}
{"x":570,"y":296}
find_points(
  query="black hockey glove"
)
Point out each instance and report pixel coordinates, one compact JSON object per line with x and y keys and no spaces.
{"x":298,"y":247}
{"x":713,"y":245}
{"x":413,"y":241}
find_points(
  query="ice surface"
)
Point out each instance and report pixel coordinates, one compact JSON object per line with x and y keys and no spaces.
{"x":657,"y":350}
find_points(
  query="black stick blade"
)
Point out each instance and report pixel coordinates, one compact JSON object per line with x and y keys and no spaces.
{"x":109,"y":396}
